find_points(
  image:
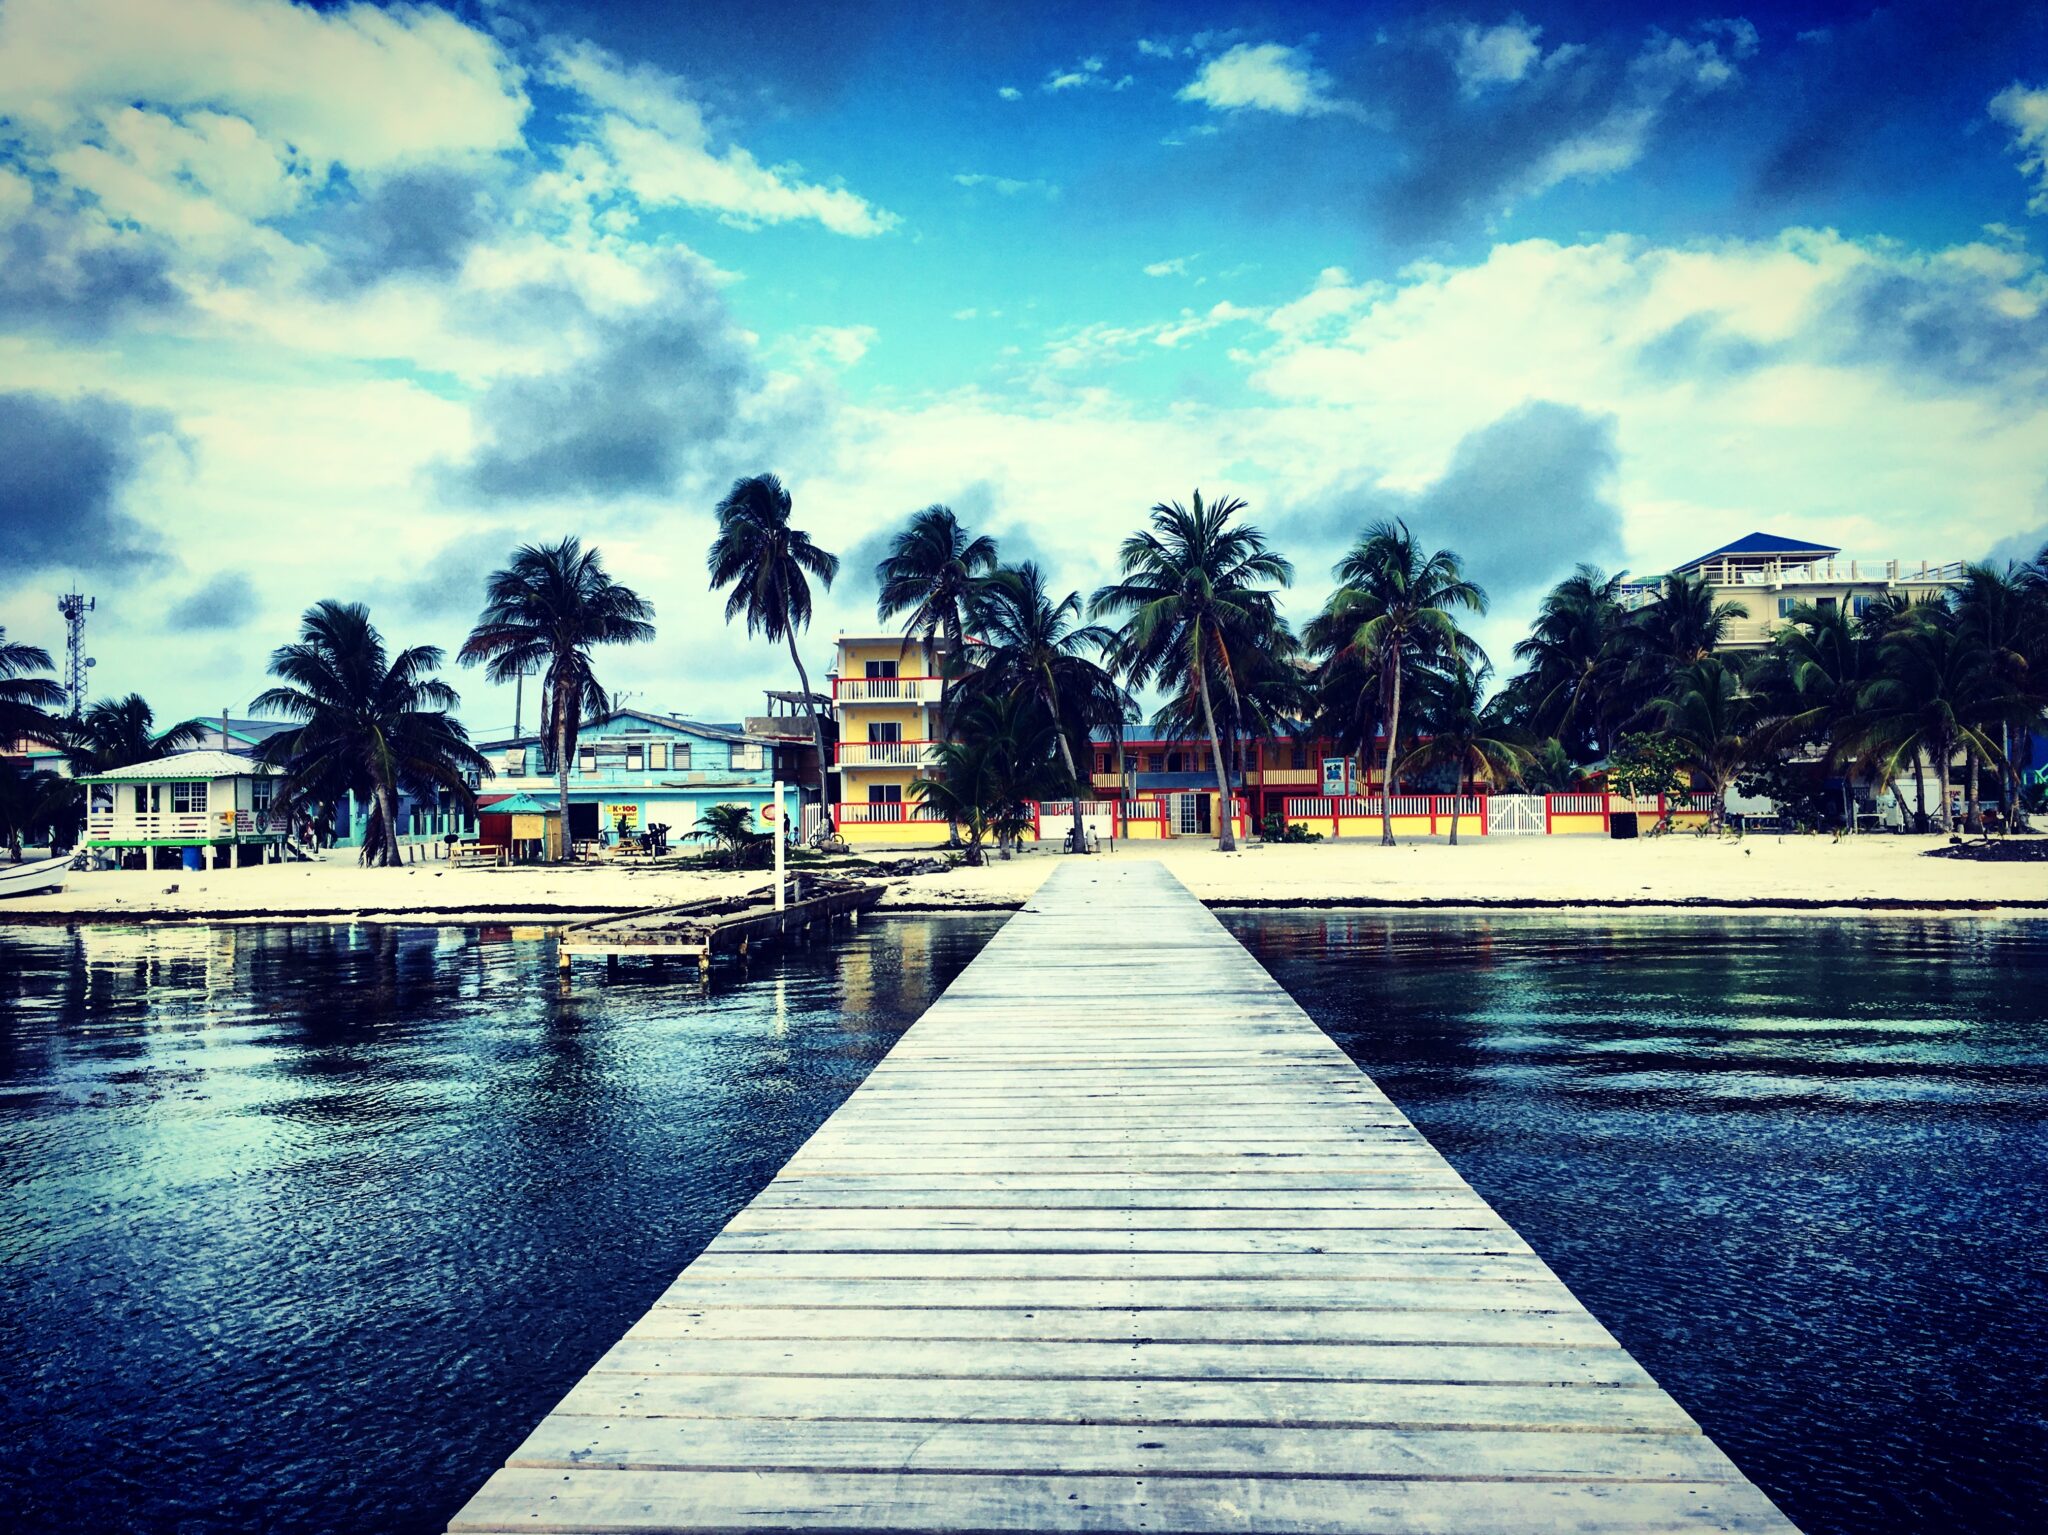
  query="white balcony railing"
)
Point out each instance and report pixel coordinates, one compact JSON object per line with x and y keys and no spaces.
{"x":885,"y":753}
{"x":164,"y":826}
{"x":890,"y":690}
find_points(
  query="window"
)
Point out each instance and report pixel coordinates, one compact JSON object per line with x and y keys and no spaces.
{"x":1173,"y":762}
{"x":751,"y":756}
{"x":1154,"y":763}
{"x":885,"y":794}
{"x":636,"y":757}
{"x":1130,"y":762}
{"x":890,"y":732}
{"x":1786,"y":605}
{"x":881,"y":669}
{"x":657,"y":755}
{"x":586,"y":759}
{"x":1826,"y":604}
{"x":1860,"y":604}
{"x":260,"y":795}
{"x":514,"y":763}
{"x":142,"y":799}
{"x":679,"y":757}
{"x":188,"y":799}
{"x":1298,"y":757}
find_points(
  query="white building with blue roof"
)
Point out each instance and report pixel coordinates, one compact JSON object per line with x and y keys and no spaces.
{"x":1770,"y":575}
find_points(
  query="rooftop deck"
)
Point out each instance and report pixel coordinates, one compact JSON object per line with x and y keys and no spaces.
{"x":1116,"y":1239}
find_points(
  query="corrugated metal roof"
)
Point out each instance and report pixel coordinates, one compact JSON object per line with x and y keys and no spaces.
{"x":182,"y":765}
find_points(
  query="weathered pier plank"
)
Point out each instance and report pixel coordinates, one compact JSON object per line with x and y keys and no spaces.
{"x":1116,"y":1239}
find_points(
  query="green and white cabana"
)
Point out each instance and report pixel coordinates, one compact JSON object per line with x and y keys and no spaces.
{"x":214,"y":804}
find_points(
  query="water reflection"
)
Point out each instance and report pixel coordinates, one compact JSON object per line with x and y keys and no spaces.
{"x":1797,"y":1165}
{"x":301,"y":1228}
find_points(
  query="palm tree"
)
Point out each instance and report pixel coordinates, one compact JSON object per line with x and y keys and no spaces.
{"x":1396,"y":608}
{"x":1197,"y":598}
{"x":1562,"y":659}
{"x":1682,"y":625}
{"x":1469,"y":735}
{"x":1811,"y":684}
{"x":2003,"y":615}
{"x":372,"y":722}
{"x":1710,"y":716}
{"x":934,"y":573}
{"x":1035,"y":648}
{"x":31,"y":800}
{"x":546,"y":612}
{"x":1934,"y":692}
{"x":985,"y":776}
{"x":24,"y":697}
{"x":1275,"y":694}
{"x":769,"y":565}
{"x":120,"y":732}
{"x":731,"y":831}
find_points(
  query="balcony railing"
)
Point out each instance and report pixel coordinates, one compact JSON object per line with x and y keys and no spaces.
{"x":890,"y":813}
{"x":888,"y":690}
{"x":884,"y":753}
{"x":163,"y":826}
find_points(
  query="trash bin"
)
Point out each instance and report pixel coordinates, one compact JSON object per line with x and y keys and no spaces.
{"x":1621,"y":826}
{"x":195,"y":859}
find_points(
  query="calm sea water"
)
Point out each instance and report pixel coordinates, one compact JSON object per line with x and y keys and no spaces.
{"x":1799,"y":1167}
{"x":304,"y":1228}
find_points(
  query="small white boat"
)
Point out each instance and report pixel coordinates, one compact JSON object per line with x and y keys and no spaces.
{"x":41,"y":877}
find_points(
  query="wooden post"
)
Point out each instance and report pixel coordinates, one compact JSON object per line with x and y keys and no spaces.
{"x":781,"y":897}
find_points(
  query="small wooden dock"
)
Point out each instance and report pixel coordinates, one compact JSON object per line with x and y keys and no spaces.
{"x":1116,"y":1239}
{"x":734,"y":925}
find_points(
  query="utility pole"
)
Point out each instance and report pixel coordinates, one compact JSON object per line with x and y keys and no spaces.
{"x":74,"y":606}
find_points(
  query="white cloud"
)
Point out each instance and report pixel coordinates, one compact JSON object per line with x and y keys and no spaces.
{"x":1666,"y":71}
{"x":1086,"y":75}
{"x":834,"y":346}
{"x":357,"y":85}
{"x":1010,"y":93}
{"x":2024,"y":109}
{"x":660,"y":149}
{"x":1175,"y":267}
{"x":1498,"y":55}
{"x":1892,"y":402}
{"x":1008,"y":186}
{"x":1263,"y":77}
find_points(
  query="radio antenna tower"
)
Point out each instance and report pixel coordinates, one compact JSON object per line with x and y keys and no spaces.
{"x":74,"y":607}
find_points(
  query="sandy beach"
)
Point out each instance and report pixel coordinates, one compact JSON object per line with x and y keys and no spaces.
{"x":1759,"y":872}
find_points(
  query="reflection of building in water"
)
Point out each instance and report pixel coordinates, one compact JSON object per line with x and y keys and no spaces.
{"x":125,"y":962}
{"x":890,"y":964}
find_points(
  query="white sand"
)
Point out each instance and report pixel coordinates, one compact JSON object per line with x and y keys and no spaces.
{"x":1795,"y":870}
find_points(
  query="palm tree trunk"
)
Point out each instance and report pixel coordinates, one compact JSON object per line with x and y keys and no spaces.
{"x":1920,"y":822}
{"x":1227,"y":841}
{"x":1457,"y":799}
{"x":1387,"y":763}
{"x":803,"y":679}
{"x":387,"y":823}
{"x":1077,"y":841}
{"x":1975,"y":821}
{"x":953,"y":641}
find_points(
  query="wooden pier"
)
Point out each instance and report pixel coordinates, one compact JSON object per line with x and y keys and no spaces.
{"x":1116,"y":1239}
{"x":733,"y":925}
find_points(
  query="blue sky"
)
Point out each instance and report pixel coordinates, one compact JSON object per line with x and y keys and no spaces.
{"x":347,"y":301}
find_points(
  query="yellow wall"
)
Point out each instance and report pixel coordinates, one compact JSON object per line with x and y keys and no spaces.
{"x":854,"y":656}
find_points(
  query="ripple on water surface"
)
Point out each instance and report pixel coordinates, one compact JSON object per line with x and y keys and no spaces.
{"x":1798,"y":1166}
{"x":303,"y":1228}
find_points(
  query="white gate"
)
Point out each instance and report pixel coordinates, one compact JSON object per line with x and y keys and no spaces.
{"x":1514,"y":815}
